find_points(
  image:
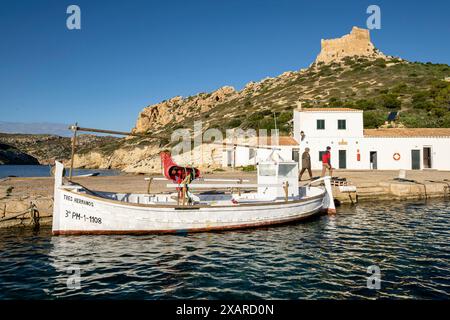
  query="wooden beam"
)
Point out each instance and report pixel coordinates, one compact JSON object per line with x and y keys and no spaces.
{"x":76,"y":128}
{"x":224,"y":185}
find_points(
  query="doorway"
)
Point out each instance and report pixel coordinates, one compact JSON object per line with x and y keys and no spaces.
{"x":229,"y":158}
{"x":373,"y":160}
{"x":295,"y":155}
{"x":426,"y":157}
{"x":415,"y":159}
{"x":342,"y":159}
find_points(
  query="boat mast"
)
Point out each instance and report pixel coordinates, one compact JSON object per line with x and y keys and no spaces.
{"x":75,"y":128}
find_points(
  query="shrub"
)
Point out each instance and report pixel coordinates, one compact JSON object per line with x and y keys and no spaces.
{"x":365,"y":104}
{"x":390,"y":101}
{"x":380,"y":62}
{"x":234,"y":123}
{"x":445,"y":121}
{"x":373,"y":119}
{"x":439,"y":111}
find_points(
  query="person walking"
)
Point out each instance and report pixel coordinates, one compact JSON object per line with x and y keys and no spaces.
{"x":306,"y":164}
{"x":326,"y":162}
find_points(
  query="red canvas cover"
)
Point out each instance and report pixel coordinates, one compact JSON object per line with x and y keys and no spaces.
{"x":174,"y":172}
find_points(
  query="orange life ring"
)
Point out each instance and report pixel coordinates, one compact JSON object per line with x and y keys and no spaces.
{"x":396,"y":156}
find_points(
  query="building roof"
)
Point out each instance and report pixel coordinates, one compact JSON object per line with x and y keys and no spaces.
{"x":282,"y":141}
{"x":329,"y":110}
{"x":407,"y":132}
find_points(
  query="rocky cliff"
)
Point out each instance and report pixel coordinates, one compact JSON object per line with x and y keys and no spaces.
{"x":48,"y":148}
{"x":11,"y":155}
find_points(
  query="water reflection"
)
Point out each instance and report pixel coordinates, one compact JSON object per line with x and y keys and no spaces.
{"x":324,"y":258}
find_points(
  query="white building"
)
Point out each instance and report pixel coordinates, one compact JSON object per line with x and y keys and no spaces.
{"x":241,"y":155}
{"x":353,"y":147}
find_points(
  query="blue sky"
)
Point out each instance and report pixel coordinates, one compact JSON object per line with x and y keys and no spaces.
{"x":130,"y":54}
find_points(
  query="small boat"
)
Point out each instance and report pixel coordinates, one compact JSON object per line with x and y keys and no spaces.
{"x":93,"y":174}
{"x":278,"y":199}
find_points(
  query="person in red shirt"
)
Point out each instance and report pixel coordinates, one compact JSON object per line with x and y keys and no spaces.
{"x":326,"y":162}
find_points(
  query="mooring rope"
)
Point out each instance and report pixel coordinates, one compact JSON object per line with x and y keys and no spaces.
{"x":32,"y":210}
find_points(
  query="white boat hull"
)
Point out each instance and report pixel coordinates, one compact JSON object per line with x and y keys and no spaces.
{"x":81,"y":213}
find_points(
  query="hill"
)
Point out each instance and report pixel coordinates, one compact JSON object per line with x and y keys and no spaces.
{"x":45,"y":148}
{"x":11,"y":155}
{"x":349,"y":72}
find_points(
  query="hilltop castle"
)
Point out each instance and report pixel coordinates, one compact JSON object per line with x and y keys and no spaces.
{"x":357,"y":43}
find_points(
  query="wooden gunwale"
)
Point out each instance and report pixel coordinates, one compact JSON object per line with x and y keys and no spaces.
{"x":169,"y":206}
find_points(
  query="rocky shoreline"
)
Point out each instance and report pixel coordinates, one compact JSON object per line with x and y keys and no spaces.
{"x":11,"y":155}
{"x":44,"y":149}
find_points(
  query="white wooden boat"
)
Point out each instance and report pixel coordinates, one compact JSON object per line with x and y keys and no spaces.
{"x":93,"y":174}
{"x":278,"y":200}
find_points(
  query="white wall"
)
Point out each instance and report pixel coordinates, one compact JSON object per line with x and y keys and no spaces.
{"x":242,"y":155}
{"x":306,"y":121}
{"x":351,"y":145}
{"x":385,"y":148}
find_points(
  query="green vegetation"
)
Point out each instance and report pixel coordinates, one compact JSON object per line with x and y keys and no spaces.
{"x":249,"y":168}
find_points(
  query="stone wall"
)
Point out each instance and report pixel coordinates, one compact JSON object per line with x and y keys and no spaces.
{"x":357,"y":43}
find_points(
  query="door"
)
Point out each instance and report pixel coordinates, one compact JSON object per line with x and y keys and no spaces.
{"x":373,"y":160}
{"x":229,"y":158}
{"x":415,"y":159}
{"x":426,"y":157}
{"x":295,"y":155}
{"x":342,"y":159}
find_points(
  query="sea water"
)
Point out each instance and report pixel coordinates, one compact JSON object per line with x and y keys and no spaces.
{"x":330,"y":257}
{"x":44,"y":171}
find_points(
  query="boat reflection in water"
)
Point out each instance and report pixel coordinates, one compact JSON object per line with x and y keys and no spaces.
{"x":326,"y":258}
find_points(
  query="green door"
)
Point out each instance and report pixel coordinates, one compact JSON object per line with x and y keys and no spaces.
{"x":342,"y":159}
{"x":415,"y":159}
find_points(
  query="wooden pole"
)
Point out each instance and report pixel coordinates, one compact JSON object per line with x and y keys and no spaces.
{"x":76,"y":128}
{"x":74,"y":144}
{"x":239,"y":189}
{"x":149,"y":184}
{"x":286,"y":190}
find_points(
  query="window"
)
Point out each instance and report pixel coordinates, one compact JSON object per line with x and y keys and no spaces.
{"x":320,"y":124}
{"x":342,"y":124}
{"x":321,"y":154}
{"x":287,"y":170}
{"x":251,"y":153}
{"x":267,"y":170}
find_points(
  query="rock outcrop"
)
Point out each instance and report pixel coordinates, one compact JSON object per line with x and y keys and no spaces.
{"x":11,"y":155}
{"x":178,"y":109}
{"x":357,"y":43}
{"x":48,"y":148}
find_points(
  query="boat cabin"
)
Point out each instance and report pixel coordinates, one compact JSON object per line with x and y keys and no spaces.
{"x":281,"y":174}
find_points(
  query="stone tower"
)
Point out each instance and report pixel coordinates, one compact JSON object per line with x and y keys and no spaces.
{"x":357,"y":43}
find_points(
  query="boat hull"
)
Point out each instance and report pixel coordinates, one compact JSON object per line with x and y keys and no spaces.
{"x":79,"y":211}
{"x":85,"y":214}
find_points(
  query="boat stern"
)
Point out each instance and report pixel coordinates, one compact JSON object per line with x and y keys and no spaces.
{"x":328,"y":201}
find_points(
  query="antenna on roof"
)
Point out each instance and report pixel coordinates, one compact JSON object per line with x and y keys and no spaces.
{"x":275,"y":119}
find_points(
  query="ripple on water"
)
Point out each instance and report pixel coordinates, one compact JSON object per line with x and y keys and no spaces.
{"x":319,"y":259}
